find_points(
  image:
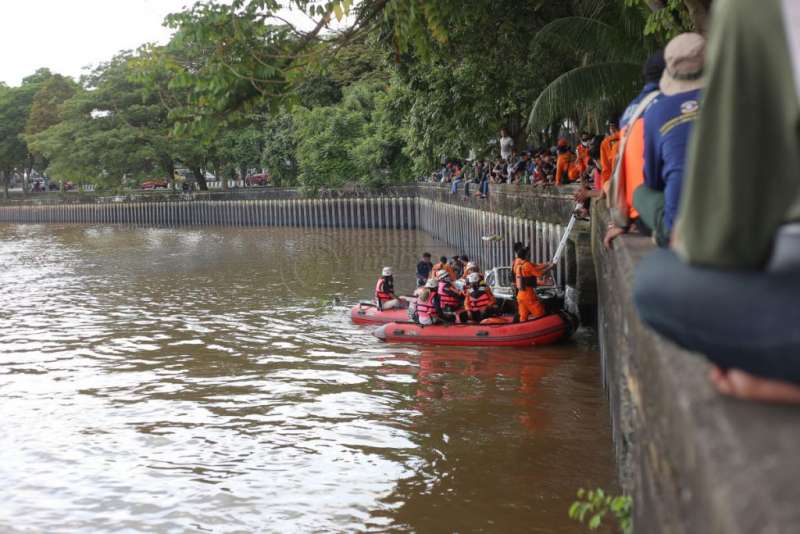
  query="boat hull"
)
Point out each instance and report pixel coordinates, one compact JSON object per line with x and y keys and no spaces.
{"x":368,"y":314}
{"x":543,"y":331}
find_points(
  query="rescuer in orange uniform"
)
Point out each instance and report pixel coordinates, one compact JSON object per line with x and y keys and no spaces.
{"x":443,"y":265}
{"x":525,"y":275}
{"x":563,"y":161}
{"x":583,"y":150}
{"x":608,"y":153}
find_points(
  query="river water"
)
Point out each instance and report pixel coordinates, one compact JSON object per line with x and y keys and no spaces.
{"x":172,"y":380}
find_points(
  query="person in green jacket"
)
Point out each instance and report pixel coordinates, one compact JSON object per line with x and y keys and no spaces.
{"x":730,"y":288}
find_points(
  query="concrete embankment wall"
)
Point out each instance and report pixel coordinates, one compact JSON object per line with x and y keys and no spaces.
{"x":694,"y":461}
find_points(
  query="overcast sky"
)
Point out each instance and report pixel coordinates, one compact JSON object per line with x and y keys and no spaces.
{"x":67,"y":35}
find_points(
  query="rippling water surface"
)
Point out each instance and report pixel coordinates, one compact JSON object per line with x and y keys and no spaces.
{"x":210,"y":381}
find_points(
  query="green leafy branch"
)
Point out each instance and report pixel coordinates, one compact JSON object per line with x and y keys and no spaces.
{"x":593,"y":506}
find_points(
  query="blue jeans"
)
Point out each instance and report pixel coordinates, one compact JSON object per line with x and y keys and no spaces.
{"x":484,"y":187}
{"x":746,"y":320}
{"x":454,"y":187}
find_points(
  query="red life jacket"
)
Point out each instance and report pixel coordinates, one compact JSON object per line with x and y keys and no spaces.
{"x":381,"y":295}
{"x":447,"y":297}
{"x":481,"y":302}
{"x":426,"y":309}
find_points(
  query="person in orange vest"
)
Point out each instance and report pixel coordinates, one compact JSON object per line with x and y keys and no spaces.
{"x":479,"y":302}
{"x":583,"y":151}
{"x":443,"y":265}
{"x":469,"y":268}
{"x":525,"y":276}
{"x":608,"y":153}
{"x":428,"y":310}
{"x":385,"y":299}
{"x":451,"y":299}
{"x":563,"y":161}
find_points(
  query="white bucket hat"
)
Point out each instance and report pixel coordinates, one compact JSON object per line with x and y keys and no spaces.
{"x":684,"y":58}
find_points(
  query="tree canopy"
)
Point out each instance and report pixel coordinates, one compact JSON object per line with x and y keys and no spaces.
{"x":374,"y":92}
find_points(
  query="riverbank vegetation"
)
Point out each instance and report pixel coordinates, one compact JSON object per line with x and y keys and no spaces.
{"x":377,"y":100}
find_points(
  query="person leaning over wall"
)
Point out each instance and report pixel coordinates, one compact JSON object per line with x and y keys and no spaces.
{"x":629,"y":168}
{"x":730,"y":286}
{"x":668,"y":125}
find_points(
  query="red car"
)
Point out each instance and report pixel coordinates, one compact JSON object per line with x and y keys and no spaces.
{"x":257,"y":179}
{"x":154,"y":184}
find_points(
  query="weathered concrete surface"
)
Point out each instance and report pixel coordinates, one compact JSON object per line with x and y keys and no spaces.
{"x":694,"y":461}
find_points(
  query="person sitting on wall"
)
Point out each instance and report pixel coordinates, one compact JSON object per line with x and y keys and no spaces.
{"x":729,"y":287}
{"x":668,"y":123}
{"x":385,"y":299}
{"x":629,"y":172}
{"x":526,"y":275}
{"x":608,"y":154}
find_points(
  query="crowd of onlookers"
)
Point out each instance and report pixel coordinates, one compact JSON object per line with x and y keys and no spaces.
{"x":558,"y":165}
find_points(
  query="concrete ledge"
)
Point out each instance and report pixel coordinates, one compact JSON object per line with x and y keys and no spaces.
{"x":694,"y":461}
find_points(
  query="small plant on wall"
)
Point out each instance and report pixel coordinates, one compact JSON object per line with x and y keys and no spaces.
{"x":593,"y":506}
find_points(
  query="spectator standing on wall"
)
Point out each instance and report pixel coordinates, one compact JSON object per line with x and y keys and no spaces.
{"x":506,"y":145}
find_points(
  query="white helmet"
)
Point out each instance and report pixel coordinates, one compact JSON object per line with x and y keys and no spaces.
{"x":471,"y":265}
{"x":473,"y":278}
{"x":387,"y":271}
{"x":442,"y":275}
{"x":431,"y":284}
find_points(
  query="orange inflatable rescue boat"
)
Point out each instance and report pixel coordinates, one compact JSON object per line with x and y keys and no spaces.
{"x":501,"y":333}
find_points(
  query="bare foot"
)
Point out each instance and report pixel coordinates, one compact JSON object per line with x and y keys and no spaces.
{"x":737,"y":383}
{"x":612,"y":233}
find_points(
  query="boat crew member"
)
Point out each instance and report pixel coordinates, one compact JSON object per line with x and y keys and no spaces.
{"x":385,"y":299}
{"x":424,"y":269}
{"x":479,"y":302}
{"x":469,"y":269}
{"x":427,"y":308}
{"x":525,"y":275}
{"x":443,"y":265}
{"x":450,"y":298}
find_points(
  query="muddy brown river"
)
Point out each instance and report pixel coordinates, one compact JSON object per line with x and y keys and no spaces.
{"x":172,"y":380}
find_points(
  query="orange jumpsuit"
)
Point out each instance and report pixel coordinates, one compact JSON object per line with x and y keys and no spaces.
{"x":528,"y":304}
{"x":562,"y":167}
{"x":608,"y":153}
{"x":446,"y":266}
{"x":583,"y":157}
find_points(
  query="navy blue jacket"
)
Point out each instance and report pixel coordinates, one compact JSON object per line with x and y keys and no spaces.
{"x":667,"y":126}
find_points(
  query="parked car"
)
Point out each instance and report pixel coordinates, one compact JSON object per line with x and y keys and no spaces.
{"x":154,"y":184}
{"x":260,"y":179}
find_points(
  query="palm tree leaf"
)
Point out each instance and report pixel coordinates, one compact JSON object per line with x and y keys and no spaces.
{"x":593,"y":37}
{"x":598,"y":88}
